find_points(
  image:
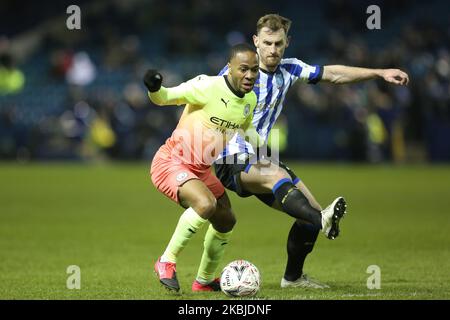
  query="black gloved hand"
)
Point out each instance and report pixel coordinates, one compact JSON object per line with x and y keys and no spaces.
{"x":153,"y":80}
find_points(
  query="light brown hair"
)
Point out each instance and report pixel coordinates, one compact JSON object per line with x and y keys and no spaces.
{"x":274,"y":22}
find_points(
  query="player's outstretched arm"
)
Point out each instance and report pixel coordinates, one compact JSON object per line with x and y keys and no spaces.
{"x":192,"y":91}
{"x":339,"y":74}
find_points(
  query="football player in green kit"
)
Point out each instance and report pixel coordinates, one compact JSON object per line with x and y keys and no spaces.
{"x":216,"y":108}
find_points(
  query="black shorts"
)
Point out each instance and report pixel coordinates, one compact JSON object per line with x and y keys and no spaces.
{"x":229,"y":174}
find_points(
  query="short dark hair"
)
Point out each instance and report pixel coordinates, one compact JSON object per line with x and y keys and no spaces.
{"x":241,"y":47}
{"x":274,"y":22}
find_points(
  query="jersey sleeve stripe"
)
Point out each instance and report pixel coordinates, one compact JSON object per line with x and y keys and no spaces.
{"x":316,"y":76}
{"x":293,"y":69}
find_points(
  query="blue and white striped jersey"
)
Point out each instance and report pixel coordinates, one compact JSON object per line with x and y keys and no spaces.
{"x":271,"y":89}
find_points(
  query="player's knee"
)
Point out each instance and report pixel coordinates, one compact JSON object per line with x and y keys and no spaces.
{"x":206,"y":206}
{"x":272,"y":179}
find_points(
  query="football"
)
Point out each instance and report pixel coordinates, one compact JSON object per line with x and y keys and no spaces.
{"x":240,"y":278}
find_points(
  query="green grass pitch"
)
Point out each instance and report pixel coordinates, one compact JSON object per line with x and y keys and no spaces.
{"x":111,"y":222}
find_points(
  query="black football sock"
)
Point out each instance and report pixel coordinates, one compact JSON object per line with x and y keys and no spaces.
{"x":300,"y":243}
{"x":295,"y":204}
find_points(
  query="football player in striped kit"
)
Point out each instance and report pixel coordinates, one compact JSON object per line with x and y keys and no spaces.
{"x":269,"y":179}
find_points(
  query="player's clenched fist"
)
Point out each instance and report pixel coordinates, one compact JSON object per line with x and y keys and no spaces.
{"x":153,"y":80}
{"x":395,"y":76}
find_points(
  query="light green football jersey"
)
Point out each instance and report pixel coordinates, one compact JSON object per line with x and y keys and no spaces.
{"x":214,"y":112}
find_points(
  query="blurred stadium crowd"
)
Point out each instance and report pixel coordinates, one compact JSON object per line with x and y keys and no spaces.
{"x":77,"y":94}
